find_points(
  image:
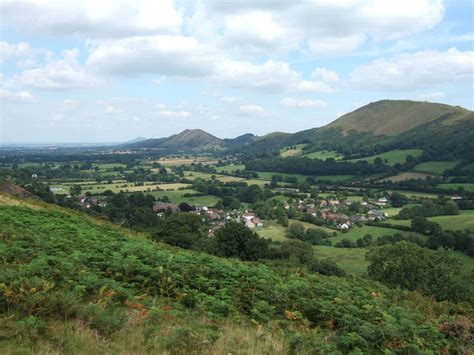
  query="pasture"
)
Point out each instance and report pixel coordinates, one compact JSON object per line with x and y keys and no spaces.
{"x":465,"y":220}
{"x":359,"y":232}
{"x":229,"y":168}
{"x":177,"y":196}
{"x":292,"y":151}
{"x":407,"y":176}
{"x":176,"y":161}
{"x":435,"y":167}
{"x":323,"y":155}
{"x":392,"y":157}
{"x":454,"y":186}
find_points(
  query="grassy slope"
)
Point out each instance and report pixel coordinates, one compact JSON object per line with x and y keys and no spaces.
{"x":465,"y":220}
{"x":435,"y":167}
{"x":91,"y":288}
{"x":323,"y":155}
{"x":455,"y":186}
{"x":391,"y":117}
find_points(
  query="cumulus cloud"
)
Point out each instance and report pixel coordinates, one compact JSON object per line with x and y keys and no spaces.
{"x":290,"y":102}
{"x":16,"y":96}
{"x":251,"y":110}
{"x":60,"y":74}
{"x":105,"y":18}
{"x":416,"y":70}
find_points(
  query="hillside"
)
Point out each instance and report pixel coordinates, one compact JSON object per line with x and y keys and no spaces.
{"x":391,"y":117}
{"x":70,"y":283}
{"x":189,"y":139}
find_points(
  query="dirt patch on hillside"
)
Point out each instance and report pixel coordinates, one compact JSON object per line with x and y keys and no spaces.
{"x":408,"y":176}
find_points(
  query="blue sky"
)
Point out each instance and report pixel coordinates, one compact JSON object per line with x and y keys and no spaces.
{"x":111,"y":70}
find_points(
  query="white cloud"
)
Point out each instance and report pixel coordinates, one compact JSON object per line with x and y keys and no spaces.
{"x":112,"y":110}
{"x":16,"y":96}
{"x":416,"y":70}
{"x":251,"y":110}
{"x":60,"y":74}
{"x":325,"y":75}
{"x":174,"y":114}
{"x":231,"y":99}
{"x":165,"y":55}
{"x":91,"y":18}
{"x":333,"y":45}
{"x":307,"y":86}
{"x":290,"y":102}
{"x":16,"y":50}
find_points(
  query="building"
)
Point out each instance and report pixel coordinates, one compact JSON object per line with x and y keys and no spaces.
{"x":376,"y":214}
{"x":164,"y":206}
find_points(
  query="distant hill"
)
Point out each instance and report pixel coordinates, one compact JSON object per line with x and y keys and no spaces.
{"x":189,"y":139}
{"x":391,"y":117}
{"x":135,"y":140}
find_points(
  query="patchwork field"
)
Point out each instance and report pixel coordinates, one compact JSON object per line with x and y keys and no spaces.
{"x":393,"y":157}
{"x":267,"y":175}
{"x":186,"y":161}
{"x":230,"y":168}
{"x":435,"y":167}
{"x":115,"y":187}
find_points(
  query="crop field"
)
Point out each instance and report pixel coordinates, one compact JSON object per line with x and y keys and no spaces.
{"x":435,"y":167}
{"x":272,"y":230}
{"x":455,"y":186}
{"x":323,"y":155}
{"x":116,"y":187}
{"x":175,"y":161}
{"x":292,"y":152}
{"x":393,"y":157}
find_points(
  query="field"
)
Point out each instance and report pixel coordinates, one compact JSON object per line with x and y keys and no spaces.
{"x":267,"y":175}
{"x":177,"y":197}
{"x":116,"y":187}
{"x":351,"y":260}
{"x":435,"y":167}
{"x":272,"y":230}
{"x":393,"y":157}
{"x":359,"y":232}
{"x":186,"y":161}
{"x":207,"y":176}
{"x":415,"y":194}
{"x":407,"y":176}
{"x":230,"y":168}
{"x":292,"y":152}
{"x":455,"y":186}
{"x":465,"y":220}
{"x":323,"y":155}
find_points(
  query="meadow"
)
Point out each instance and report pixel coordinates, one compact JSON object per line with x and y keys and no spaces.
{"x":323,"y":155}
{"x":292,"y":152}
{"x":393,"y":157}
{"x":454,"y":186}
{"x":435,"y":167}
{"x":465,"y":220}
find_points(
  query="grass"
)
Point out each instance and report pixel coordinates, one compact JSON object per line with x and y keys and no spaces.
{"x":415,"y":194}
{"x":118,"y":186}
{"x":407,"y":176}
{"x":292,"y":152}
{"x":359,"y":232}
{"x":267,"y":175}
{"x":173,"y":161}
{"x":455,"y":186}
{"x":307,"y":225}
{"x":177,"y":197}
{"x":465,"y":220}
{"x":351,"y":260}
{"x":230,"y":168}
{"x":393,"y":157}
{"x":272,"y":230}
{"x":323,"y":155}
{"x":206,"y":176}
{"x":435,"y":167}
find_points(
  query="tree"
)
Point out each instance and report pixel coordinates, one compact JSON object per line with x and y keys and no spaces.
{"x":297,"y":251}
{"x":409,"y":266}
{"x":296,"y":231}
{"x":236,"y":240}
{"x":185,"y":207}
{"x":76,"y":190}
{"x":180,"y":229}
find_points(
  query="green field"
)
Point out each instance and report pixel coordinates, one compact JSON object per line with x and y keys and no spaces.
{"x":229,"y":168}
{"x":292,"y":152}
{"x":323,"y":155}
{"x":272,"y":230}
{"x":393,"y":157}
{"x":351,"y":260}
{"x":177,"y":197}
{"x":435,"y":167}
{"x":95,"y":188}
{"x":267,"y":175}
{"x":465,"y":220}
{"x":415,"y":194}
{"x":359,"y":232}
{"x":455,"y":186}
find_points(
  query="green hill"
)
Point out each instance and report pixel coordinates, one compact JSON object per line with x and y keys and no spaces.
{"x":392,"y":117}
{"x":189,"y":139}
{"x":72,"y":284}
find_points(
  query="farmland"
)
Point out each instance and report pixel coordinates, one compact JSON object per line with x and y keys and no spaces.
{"x":454,"y":186}
{"x":323,"y":155}
{"x":435,"y":167}
{"x":393,"y":157}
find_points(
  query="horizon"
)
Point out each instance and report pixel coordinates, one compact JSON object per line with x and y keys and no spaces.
{"x":108,"y":72}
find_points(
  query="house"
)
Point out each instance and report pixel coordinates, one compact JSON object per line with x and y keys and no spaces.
{"x":343,"y":226}
{"x":456,"y":198}
{"x":376,"y":214}
{"x":247,"y":217}
{"x":164,"y":206}
{"x":250,"y":224}
{"x":358,"y":219}
{"x":381,"y":201}
{"x":257,"y":222}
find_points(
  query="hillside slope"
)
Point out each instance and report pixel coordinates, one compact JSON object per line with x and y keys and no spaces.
{"x":189,"y":139}
{"x":392,"y":117}
{"x":69,"y":283}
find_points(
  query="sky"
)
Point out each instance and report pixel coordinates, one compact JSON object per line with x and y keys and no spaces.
{"x":112,"y":70}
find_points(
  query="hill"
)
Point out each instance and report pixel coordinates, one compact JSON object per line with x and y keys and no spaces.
{"x":69,"y":282}
{"x":392,"y":117}
{"x":189,"y":139}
